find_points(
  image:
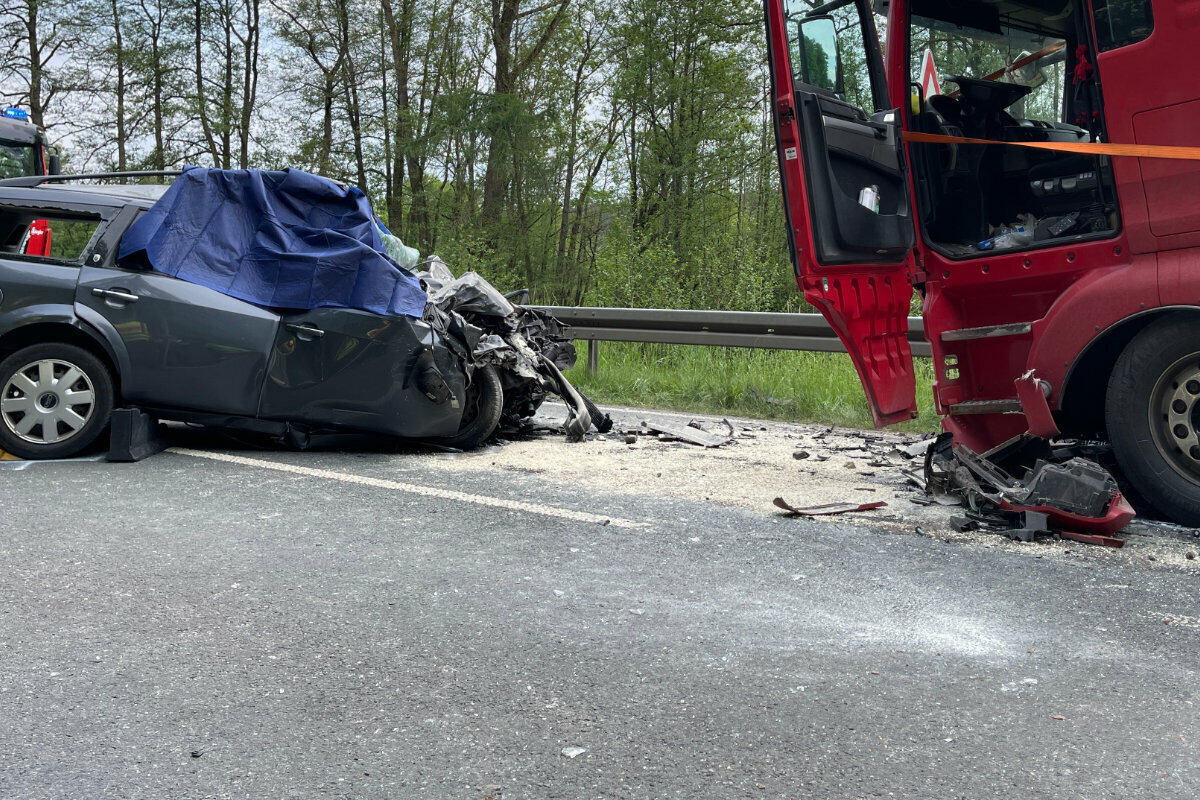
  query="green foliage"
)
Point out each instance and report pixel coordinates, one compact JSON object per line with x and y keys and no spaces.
{"x":69,"y":238}
{"x":811,"y":387}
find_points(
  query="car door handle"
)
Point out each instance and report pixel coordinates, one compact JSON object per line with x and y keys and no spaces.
{"x":306,"y":333}
{"x":116,"y":295}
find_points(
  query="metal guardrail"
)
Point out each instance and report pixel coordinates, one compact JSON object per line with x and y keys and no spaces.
{"x":763,"y":330}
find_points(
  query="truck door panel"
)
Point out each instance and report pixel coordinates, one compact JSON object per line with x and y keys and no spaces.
{"x":852,"y":263}
{"x":857,"y":155}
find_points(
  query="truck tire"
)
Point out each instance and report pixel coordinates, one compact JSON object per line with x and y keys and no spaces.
{"x":1152,"y":412}
{"x":481,"y":411}
{"x":55,"y":401}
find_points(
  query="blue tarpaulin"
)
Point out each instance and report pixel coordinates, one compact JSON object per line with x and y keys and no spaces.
{"x":287,"y":240}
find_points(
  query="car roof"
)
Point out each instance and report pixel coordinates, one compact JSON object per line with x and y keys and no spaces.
{"x":132,"y":191}
{"x":110,"y":195}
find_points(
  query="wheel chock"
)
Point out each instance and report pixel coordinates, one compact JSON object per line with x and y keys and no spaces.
{"x":133,"y":435}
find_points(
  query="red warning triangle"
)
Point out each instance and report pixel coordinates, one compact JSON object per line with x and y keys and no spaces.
{"x":930,"y":85}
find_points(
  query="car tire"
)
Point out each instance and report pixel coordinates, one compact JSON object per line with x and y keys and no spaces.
{"x":31,"y":383}
{"x":1152,"y":412}
{"x":481,"y":411}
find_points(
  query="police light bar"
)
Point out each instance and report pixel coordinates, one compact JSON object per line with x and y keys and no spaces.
{"x":16,"y":113}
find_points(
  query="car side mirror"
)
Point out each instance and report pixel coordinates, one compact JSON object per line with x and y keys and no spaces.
{"x":820,"y":58}
{"x":54,"y":164}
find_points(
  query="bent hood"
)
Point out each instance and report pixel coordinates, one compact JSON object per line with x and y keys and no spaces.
{"x":286,"y":240}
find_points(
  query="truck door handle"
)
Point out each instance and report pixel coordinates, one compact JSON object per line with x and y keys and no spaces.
{"x":306,"y":333}
{"x":115,"y":296}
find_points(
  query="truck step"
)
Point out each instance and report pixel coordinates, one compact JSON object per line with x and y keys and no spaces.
{"x":987,"y":332}
{"x":1008,"y":406}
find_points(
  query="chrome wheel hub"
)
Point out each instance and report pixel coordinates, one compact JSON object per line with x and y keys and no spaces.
{"x":47,"y":402}
{"x":1175,"y":414}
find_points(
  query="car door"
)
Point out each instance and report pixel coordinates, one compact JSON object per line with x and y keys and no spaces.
{"x":349,"y":368}
{"x":850,"y":225}
{"x":189,"y":347}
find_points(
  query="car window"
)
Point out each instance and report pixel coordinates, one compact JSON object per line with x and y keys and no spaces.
{"x":835,"y":59}
{"x":1011,"y":56}
{"x":34,"y":233}
{"x":1122,"y":22}
{"x":17,"y":159}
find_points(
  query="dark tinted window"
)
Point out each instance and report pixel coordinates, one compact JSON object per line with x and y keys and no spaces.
{"x":1122,"y":22}
{"x":17,"y":160}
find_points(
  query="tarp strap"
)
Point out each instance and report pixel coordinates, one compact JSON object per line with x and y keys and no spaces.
{"x":1084,"y":148}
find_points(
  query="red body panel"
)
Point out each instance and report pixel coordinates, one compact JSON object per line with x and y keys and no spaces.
{"x":870,"y":315}
{"x":1072,"y":295}
{"x":1054,"y":302}
{"x":38,"y":243}
{"x":1034,"y":406}
{"x":1150,"y":95}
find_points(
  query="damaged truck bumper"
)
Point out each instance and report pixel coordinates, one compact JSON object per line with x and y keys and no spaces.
{"x":1059,"y":490}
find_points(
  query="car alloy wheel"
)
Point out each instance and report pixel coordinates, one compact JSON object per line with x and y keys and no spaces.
{"x":47,"y":401}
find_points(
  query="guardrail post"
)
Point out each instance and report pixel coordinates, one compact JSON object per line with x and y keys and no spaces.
{"x":593,"y":363}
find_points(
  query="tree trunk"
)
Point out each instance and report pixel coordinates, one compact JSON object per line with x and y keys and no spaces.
{"x":37,"y":109}
{"x":118,"y":44}
{"x":400,"y":31}
{"x":495,"y":177}
{"x":201,"y":99}
{"x":249,"y":80}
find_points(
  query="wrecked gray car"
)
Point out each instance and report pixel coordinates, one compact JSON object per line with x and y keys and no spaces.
{"x":255,"y":301}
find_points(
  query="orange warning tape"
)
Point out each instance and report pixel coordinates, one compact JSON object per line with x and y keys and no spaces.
{"x":1086,"y":148}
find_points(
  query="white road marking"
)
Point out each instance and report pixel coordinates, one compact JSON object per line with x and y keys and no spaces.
{"x":411,"y":488}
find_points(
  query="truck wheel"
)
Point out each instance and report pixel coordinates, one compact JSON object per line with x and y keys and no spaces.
{"x":1152,"y":412}
{"x":481,"y":411}
{"x":55,"y":401}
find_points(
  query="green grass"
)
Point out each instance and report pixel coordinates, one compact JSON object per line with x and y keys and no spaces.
{"x":807,"y":387}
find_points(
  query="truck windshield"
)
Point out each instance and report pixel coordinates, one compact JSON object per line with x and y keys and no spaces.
{"x":17,"y":159}
{"x":1013,"y":56}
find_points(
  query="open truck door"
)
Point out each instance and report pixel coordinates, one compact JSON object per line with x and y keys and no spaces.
{"x":845,"y":188}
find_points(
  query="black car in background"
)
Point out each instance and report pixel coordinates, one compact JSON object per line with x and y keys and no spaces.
{"x":81,"y":335}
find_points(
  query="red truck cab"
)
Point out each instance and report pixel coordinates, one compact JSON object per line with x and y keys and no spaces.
{"x":1060,"y":287}
{"x":23,"y":146}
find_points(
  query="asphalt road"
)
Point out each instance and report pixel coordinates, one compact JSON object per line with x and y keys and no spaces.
{"x":358,"y":625}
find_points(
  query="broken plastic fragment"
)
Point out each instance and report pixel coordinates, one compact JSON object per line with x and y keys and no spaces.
{"x":828,"y":509}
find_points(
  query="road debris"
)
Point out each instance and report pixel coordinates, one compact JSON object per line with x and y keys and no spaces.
{"x":691,"y":433}
{"x":572,"y":752}
{"x":829,"y":509}
{"x":914,"y":450}
{"x":964,"y":524}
